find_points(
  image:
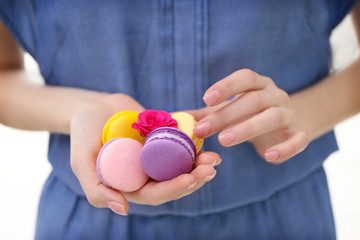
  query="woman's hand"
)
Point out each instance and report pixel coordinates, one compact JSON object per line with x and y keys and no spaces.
{"x":156,"y":193}
{"x":259,"y":112}
{"x":85,"y":132}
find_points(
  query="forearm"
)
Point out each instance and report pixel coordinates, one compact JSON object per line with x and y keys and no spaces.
{"x":320,"y":107}
{"x":30,"y":106}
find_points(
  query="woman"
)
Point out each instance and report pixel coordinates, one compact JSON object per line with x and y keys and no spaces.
{"x":264,"y":69}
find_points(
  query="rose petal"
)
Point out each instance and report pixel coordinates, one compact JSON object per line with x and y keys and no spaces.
{"x":149,"y":120}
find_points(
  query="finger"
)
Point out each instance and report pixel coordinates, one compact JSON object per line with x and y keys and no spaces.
{"x":208,"y":158}
{"x":267,"y":121}
{"x":199,"y":113}
{"x":203,"y":172}
{"x":156,"y":193}
{"x":83,"y":163}
{"x":287,"y":149}
{"x":203,"y":112}
{"x":238,"y":82}
{"x":234,"y":112}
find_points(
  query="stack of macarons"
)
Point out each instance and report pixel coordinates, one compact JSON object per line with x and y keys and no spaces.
{"x":153,"y":144}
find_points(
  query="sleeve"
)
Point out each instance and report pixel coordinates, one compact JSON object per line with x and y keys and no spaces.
{"x":340,"y":9}
{"x":19,"y":17}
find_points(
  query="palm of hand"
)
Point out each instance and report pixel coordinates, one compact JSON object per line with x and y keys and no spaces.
{"x":86,"y":130}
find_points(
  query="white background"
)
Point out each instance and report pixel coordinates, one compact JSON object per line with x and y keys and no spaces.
{"x":24,"y":165}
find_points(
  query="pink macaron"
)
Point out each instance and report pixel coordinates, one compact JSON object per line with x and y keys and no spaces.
{"x":118,"y":165}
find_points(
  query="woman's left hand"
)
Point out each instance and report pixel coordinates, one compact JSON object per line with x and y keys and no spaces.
{"x":259,"y":112}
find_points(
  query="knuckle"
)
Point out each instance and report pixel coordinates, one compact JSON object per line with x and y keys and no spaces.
{"x":219,"y":116}
{"x":247,"y":73}
{"x":93,"y":199}
{"x":305,"y":140}
{"x":219,"y":119}
{"x":293,"y":146}
{"x":268,"y":80}
{"x":283,"y":96}
{"x":257,"y":99}
{"x":278,"y":116}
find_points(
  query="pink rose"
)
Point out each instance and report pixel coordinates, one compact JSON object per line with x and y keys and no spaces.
{"x":150,"y":120}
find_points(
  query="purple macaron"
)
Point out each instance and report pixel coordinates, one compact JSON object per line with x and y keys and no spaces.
{"x":167,"y":153}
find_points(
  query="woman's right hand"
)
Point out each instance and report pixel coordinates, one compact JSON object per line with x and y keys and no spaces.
{"x":85,"y":133}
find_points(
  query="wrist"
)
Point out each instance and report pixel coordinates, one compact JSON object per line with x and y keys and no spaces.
{"x":101,"y":106}
{"x":121,"y":102}
{"x":320,"y":107}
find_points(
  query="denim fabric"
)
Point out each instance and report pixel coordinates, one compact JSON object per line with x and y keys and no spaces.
{"x":301,"y":211}
{"x":166,"y":53}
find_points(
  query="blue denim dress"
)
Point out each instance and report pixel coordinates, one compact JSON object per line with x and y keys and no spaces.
{"x":165,"y":54}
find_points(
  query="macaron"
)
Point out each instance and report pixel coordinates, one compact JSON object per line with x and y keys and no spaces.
{"x":167,"y":153}
{"x":119,"y":125}
{"x":118,"y":165}
{"x":186,"y":123}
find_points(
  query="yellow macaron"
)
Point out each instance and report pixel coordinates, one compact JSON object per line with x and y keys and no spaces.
{"x":186,"y":123}
{"x":119,"y":125}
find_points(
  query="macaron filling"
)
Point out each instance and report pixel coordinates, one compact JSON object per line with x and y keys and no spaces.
{"x":175,"y":135}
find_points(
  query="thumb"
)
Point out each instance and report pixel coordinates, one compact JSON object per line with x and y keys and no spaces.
{"x":83,"y":164}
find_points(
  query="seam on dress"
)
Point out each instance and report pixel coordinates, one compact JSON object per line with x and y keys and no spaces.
{"x":314,"y":33}
{"x":14,"y":32}
{"x":71,"y":216}
{"x":167,"y":35}
{"x":47,"y":73}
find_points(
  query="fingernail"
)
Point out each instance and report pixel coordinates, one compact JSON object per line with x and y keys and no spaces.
{"x":272,"y":156}
{"x":211,"y":97}
{"x":216,"y":164}
{"x":210,"y":177}
{"x":226,"y":138}
{"x":191,"y":186}
{"x":117,"y":208}
{"x":203,"y":128}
